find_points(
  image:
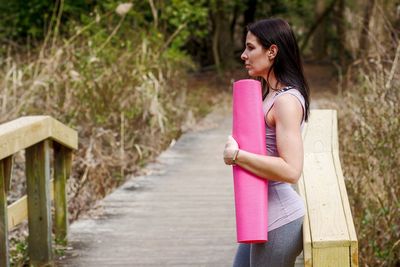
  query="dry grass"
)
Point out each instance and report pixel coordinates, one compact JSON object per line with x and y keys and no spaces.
{"x":367,"y":101}
{"x":369,"y":125}
{"x":104,"y":100}
{"x":126,"y":97}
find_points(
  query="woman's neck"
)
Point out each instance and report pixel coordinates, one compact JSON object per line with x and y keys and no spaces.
{"x":272,"y":82}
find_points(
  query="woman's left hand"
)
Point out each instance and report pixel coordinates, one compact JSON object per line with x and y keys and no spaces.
{"x":230,"y":147}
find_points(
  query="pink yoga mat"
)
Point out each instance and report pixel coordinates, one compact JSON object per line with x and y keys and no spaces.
{"x":251,"y":192}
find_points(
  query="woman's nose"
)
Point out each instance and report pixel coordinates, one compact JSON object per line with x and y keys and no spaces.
{"x":243,"y":56}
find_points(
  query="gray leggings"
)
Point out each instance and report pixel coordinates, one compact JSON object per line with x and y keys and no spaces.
{"x":283,"y":246}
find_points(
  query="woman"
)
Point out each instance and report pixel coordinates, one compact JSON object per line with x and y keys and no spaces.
{"x":272,"y":54}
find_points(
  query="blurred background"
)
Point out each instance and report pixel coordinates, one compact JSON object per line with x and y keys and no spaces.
{"x":131,"y":77}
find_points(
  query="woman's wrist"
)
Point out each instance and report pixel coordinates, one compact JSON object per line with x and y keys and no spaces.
{"x":235,"y":156}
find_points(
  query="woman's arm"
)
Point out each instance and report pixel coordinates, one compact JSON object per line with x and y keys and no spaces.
{"x":287,"y":115}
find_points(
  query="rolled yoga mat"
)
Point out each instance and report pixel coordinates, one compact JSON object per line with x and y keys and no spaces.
{"x":251,"y":191}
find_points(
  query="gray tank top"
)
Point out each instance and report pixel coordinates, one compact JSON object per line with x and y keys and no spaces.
{"x":284,"y":204}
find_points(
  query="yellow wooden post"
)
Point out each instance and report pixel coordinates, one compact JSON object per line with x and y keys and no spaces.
{"x":4,"y":257}
{"x":328,"y":230}
{"x":62,"y":169}
{"x":39,"y":203}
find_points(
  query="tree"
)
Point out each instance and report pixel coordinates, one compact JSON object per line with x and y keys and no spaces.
{"x":368,"y":9}
{"x":319,"y":40}
{"x":341,"y":33}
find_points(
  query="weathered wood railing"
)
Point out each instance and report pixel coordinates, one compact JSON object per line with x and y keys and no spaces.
{"x":36,"y":135}
{"x":329,"y":236}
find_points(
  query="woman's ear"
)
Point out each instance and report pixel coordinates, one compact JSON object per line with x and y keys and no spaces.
{"x":272,"y":51}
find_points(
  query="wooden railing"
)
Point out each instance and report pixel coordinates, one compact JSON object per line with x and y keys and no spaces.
{"x":36,"y":135}
{"x":329,"y":236}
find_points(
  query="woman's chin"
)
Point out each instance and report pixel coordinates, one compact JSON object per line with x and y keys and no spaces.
{"x":251,"y":73}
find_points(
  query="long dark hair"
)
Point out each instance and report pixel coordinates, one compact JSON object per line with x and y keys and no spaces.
{"x":287,"y":66}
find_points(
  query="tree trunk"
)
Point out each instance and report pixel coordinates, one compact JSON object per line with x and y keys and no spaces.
{"x":363,"y":43}
{"x":249,"y":16}
{"x":341,"y":33}
{"x":319,"y":40}
{"x":215,"y":43}
{"x":317,"y":23}
{"x":233,"y":22}
{"x":226,"y":47}
{"x":222,"y":47}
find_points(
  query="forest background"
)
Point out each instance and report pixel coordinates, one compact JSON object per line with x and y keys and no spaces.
{"x":132,"y":77}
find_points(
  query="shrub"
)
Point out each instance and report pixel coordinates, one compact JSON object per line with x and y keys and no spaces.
{"x":369,"y":124}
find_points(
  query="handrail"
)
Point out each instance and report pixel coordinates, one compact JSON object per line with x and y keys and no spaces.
{"x":37,"y":135}
{"x":26,"y":131}
{"x":329,"y":236}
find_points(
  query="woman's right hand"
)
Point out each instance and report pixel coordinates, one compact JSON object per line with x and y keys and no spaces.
{"x":230,"y":147}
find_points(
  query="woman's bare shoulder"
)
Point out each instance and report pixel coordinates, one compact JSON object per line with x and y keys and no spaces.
{"x":287,"y":108}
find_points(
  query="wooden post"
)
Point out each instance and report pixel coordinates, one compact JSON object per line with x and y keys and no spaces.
{"x":328,"y":232}
{"x":4,"y":257}
{"x":39,"y":203}
{"x":7,"y":169}
{"x":62,"y":170}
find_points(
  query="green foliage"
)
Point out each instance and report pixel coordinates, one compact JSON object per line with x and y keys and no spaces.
{"x":191,"y":15}
{"x":32,"y":19}
{"x":18,"y":252}
{"x":182,"y":25}
{"x":24,"y":18}
{"x":299,"y":13}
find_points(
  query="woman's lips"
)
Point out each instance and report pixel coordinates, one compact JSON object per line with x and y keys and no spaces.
{"x":247,"y":66}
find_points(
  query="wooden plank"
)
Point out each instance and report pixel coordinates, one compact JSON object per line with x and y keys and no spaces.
{"x":354,"y":254}
{"x":343,"y":193}
{"x":320,"y":127}
{"x":39,"y":203}
{"x":347,"y":212}
{"x":299,"y":261}
{"x":62,"y":167}
{"x":4,"y":255}
{"x":62,"y":134}
{"x":146,"y":213}
{"x":334,"y":240}
{"x":27,"y":131}
{"x":19,"y":134}
{"x":18,"y":211}
{"x":331,"y":257}
{"x":327,"y":218}
{"x":307,"y":242}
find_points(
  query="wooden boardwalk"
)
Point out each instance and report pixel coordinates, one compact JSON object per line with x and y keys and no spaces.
{"x":181,"y":214}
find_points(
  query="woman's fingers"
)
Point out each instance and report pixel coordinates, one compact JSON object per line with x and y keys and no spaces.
{"x":232,"y":142}
{"x":230,"y":147}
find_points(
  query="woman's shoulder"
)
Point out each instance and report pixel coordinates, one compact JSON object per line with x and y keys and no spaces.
{"x":288,"y":111}
{"x":290,"y":92}
{"x":289,"y":104}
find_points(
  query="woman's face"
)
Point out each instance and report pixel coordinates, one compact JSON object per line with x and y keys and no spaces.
{"x":256,"y":58}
